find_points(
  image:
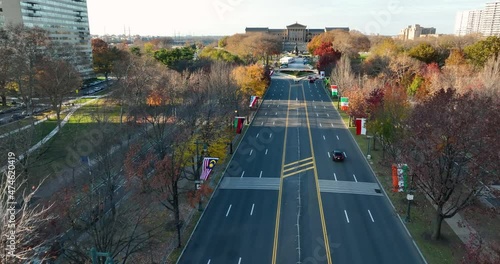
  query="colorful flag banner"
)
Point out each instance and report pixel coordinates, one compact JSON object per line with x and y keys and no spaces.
{"x":238,"y":124}
{"x":254,"y":101}
{"x":208,"y":165}
{"x":399,"y":177}
{"x":344,"y":103}
{"x":360,"y":126}
{"x":334,"y":89}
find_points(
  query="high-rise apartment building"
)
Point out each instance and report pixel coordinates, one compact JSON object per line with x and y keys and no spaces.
{"x":66,"y":21}
{"x":485,"y":21}
{"x":490,"y":20}
{"x":468,"y":22}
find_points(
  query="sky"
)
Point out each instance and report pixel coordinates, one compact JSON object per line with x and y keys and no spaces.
{"x":228,"y":17}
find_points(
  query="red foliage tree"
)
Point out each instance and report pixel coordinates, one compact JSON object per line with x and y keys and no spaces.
{"x":451,"y":147}
{"x":327,"y":56}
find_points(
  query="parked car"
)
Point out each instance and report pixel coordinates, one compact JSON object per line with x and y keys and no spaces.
{"x":338,"y":155}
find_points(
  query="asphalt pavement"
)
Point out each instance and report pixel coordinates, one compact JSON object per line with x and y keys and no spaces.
{"x":283,"y":200}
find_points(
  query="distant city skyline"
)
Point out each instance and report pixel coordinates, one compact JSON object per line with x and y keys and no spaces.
{"x":227,"y":17}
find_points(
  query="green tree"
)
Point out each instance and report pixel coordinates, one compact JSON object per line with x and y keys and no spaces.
{"x":219,"y":55}
{"x":424,"y":52}
{"x":479,"y":52}
{"x":415,"y":85}
{"x":176,"y":59}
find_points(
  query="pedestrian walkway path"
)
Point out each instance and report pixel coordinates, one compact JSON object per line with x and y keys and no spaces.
{"x":71,"y":110}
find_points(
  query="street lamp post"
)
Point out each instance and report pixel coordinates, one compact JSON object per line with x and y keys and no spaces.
{"x":368,"y":148}
{"x":409,"y":197}
{"x":198,"y":182}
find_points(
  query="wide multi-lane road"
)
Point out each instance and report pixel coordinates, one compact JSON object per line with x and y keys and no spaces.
{"x":283,"y":200}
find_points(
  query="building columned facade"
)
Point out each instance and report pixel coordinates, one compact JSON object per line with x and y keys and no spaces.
{"x":295,"y":32}
{"x":484,"y":21}
{"x":416,"y":31}
{"x":66,"y":21}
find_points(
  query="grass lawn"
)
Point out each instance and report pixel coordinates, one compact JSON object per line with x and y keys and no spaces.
{"x":65,"y":147}
{"x":447,"y":250}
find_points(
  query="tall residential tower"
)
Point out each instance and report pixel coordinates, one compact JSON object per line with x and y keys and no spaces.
{"x":66,"y":21}
{"x":485,"y":21}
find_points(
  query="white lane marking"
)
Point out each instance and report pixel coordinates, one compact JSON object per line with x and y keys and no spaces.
{"x":262,"y":123}
{"x":257,"y":135}
{"x":335,"y":176}
{"x":332,"y":125}
{"x":239,"y":261}
{"x":276,"y":113}
{"x":314,"y":107}
{"x":324,"y":138}
{"x":270,"y":135}
{"x":268,"y":105}
{"x":273,"y":123}
{"x":265,"y":113}
{"x":251,"y":151}
{"x":324,"y":107}
{"x":371,"y":216}
{"x":329,"y":154}
{"x":260,"y":175}
{"x":320,"y":125}
{"x":266,"y":151}
{"x":243,"y":173}
{"x":313,"y":101}
{"x":296,"y":99}
{"x":317,"y":114}
{"x":346,"y":217}
{"x":328,"y":115}
{"x":355,"y":178}
{"x":228,"y":209}
{"x":251,"y":212}
{"x":208,"y":262}
{"x":345,"y":155}
{"x":338,"y":137}
{"x":277,"y":105}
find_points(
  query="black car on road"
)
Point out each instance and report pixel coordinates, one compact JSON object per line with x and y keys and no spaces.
{"x":338,"y":155}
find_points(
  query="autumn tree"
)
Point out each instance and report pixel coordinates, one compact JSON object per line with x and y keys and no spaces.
{"x":251,"y":80}
{"x":104,"y":56}
{"x":30,"y":45}
{"x":490,"y":77}
{"x":22,"y":221}
{"x":451,"y":149}
{"x":318,"y":40}
{"x":57,"y":79}
{"x":342,"y":75}
{"x":327,"y":57}
{"x":6,"y":56}
{"x":391,"y":110}
{"x":254,"y":46}
{"x":350,"y":43}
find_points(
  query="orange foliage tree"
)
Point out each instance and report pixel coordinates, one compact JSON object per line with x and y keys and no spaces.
{"x":252,"y":79}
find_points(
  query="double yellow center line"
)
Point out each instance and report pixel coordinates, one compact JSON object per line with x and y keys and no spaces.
{"x":286,"y":172}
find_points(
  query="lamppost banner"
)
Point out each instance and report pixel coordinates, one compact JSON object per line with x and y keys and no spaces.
{"x":208,"y":165}
{"x":344,"y":103}
{"x":334,"y":89}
